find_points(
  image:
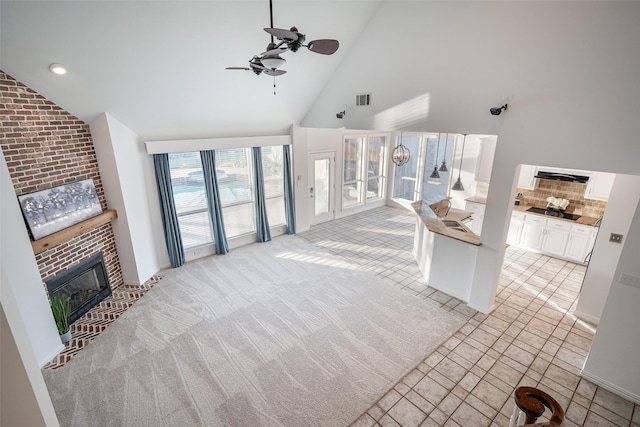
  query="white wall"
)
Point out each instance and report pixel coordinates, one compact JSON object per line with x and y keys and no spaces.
{"x":621,"y":208}
{"x":613,"y":359}
{"x":28,"y":334}
{"x":128,"y":180}
{"x":21,"y":279}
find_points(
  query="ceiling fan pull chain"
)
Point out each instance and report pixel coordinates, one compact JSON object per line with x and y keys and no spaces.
{"x":274,"y":84}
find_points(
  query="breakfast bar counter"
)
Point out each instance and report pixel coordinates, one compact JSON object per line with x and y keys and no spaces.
{"x":446,"y":252}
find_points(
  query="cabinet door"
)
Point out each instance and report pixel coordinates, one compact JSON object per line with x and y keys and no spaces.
{"x":515,"y":229}
{"x":475,"y":224}
{"x":532,"y":236}
{"x":577,"y":247}
{"x":599,"y":186}
{"x":554,"y":241}
{"x":526,"y":179}
{"x":485,"y":160}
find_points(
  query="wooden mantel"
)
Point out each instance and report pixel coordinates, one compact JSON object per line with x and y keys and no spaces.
{"x":69,"y":233}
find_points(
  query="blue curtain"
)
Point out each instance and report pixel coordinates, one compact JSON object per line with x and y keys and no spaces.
{"x":262,"y":223}
{"x":289,"y":201}
{"x":172,"y":235}
{"x":213,"y":201}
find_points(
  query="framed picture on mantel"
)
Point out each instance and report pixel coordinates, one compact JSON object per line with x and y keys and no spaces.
{"x":49,"y":211}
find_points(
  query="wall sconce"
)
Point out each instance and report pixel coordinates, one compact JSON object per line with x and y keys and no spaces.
{"x":401,"y":154}
{"x":496,"y":111}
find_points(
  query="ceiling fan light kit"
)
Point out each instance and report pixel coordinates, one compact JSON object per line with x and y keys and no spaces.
{"x":269,"y":61}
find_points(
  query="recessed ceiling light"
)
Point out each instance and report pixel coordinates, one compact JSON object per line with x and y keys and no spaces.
{"x":58,"y":69}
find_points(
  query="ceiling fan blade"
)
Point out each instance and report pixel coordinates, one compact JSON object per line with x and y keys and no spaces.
{"x":324,"y":46}
{"x":238,"y":68}
{"x":284,"y":35}
{"x":274,"y":73}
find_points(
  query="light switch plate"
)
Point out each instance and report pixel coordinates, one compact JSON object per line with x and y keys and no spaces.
{"x":615,"y":238}
{"x":630,"y":280}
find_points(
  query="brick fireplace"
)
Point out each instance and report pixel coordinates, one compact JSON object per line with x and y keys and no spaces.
{"x":45,"y":146}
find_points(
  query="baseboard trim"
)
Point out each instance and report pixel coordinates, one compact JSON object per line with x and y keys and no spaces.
{"x":49,"y":358}
{"x":611,"y":387}
{"x":483,"y":310}
{"x":587,"y":317}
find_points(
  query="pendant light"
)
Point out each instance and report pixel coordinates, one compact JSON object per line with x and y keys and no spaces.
{"x":458,"y":185}
{"x":435,"y":173}
{"x":401,"y":154}
{"x":444,"y":167}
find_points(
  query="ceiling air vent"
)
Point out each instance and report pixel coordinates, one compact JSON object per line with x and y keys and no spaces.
{"x":363,"y":99}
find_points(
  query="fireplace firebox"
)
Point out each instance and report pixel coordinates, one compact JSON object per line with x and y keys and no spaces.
{"x":84,"y":285}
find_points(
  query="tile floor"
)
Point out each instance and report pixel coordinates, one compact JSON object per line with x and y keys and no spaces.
{"x":531,"y":338}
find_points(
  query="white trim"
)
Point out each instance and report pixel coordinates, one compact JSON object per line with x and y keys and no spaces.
{"x":482,"y":310}
{"x":191,"y":145}
{"x":611,"y":387}
{"x":51,"y":356}
{"x":586,"y":317}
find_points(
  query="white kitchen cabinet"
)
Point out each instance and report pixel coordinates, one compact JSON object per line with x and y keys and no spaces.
{"x":477,"y":218}
{"x":533,"y":232}
{"x":515,"y":228}
{"x":555,"y":237}
{"x":526,"y":179}
{"x":580,"y":242}
{"x":485,"y":159}
{"x":599,"y":186}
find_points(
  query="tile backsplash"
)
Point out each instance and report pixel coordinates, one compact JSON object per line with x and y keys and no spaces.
{"x":572,"y":191}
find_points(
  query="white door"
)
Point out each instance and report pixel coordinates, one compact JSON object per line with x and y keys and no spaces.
{"x":321,"y":188}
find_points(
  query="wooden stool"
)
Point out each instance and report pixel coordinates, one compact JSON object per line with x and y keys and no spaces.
{"x":532,"y":403}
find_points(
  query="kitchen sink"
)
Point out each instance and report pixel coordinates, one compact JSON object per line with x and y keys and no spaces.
{"x":454,"y":225}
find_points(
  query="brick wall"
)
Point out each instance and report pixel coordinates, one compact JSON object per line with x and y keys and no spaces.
{"x":572,"y":191}
{"x":45,"y":146}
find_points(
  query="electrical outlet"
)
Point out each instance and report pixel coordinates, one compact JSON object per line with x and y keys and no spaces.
{"x":630,"y":280}
{"x":615,"y":238}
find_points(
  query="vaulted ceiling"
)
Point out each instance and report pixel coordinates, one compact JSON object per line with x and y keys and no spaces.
{"x":159,"y":66}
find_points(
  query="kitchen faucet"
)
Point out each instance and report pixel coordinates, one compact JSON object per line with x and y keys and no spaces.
{"x":598,"y":221}
{"x":448,"y":207}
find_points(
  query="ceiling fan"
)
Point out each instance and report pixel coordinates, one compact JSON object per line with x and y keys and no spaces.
{"x":269,"y":61}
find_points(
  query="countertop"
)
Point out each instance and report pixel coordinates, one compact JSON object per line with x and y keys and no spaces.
{"x":477,"y":199}
{"x":583,"y":220}
{"x":435,"y":225}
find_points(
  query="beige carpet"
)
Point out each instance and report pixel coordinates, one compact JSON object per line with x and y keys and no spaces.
{"x":279,"y":333}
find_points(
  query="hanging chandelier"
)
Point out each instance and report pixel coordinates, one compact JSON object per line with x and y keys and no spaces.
{"x":435,"y":173}
{"x":443,"y":167}
{"x":458,"y":186}
{"x":401,"y":154}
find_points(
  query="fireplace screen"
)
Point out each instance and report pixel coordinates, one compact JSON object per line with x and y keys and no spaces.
{"x":84,"y":285}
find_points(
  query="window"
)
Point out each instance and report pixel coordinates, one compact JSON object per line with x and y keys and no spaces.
{"x":187,"y":180}
{"x":273,"y":172}
{"x":405,"y":182}
{"x":437,"y":150}
{"x":376,"y":166}
{"x":352,"y":182}
{"x":364,"y":170}
{"x":235,"y":182}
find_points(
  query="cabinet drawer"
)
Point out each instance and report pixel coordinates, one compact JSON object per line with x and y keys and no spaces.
{"x":583,"y":230}
{"x":534,"y":220}
{"x":559,"y":225}
{"x":475,"y":207}
{"x":518,"y":216}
